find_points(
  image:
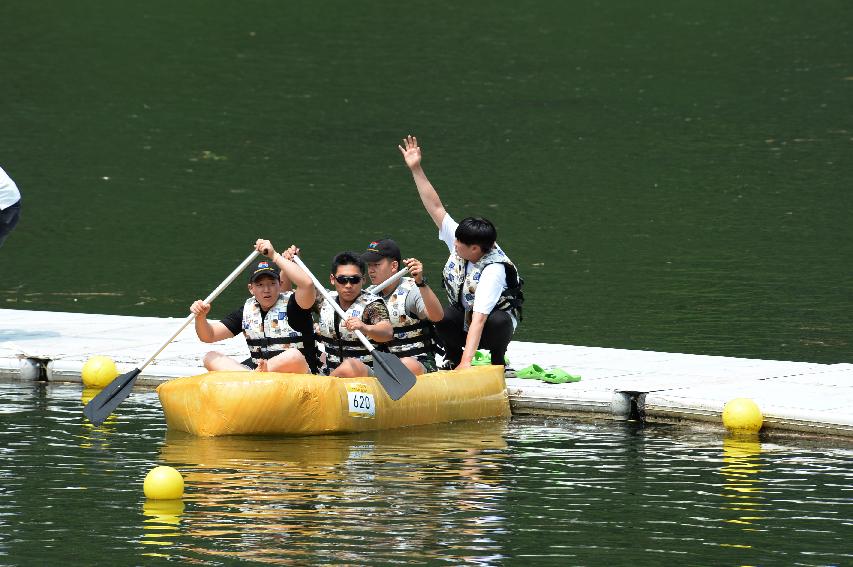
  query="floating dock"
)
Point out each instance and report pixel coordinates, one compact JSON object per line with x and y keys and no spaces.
{"x":655,"y":386}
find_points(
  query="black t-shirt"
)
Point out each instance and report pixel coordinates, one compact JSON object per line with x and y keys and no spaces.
{"x":297,"y":317}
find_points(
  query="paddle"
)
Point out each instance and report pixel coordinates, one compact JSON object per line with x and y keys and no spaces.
{"x":391,"y":373}
{"x":116,"y":391}
{"x":380,"y":286}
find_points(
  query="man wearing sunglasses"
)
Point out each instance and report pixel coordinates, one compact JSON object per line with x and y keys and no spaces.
{"x":483,"y":286}
{"x":411,"y":304}
{"x":346,"y":356}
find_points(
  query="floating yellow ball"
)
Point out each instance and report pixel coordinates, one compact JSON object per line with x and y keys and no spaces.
{"x":741,"y":415}
{"x":163,"y":483}
{"x":98,"y":371}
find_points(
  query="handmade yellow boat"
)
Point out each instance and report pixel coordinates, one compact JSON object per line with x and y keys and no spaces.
{"x":267,"y":403}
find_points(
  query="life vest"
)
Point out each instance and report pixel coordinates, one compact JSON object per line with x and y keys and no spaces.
{"x":461,"y":277}
{"x":412,"y":336}
{"x":340,"y":342}
{"x":270,"y":335}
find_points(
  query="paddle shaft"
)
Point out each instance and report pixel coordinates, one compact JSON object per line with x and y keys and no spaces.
{"x":213,"y":295}
{"x":395,"y":278}
{"x":334,"y":303}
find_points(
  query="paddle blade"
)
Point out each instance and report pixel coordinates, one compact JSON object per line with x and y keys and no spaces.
{"x":102,"y":405}
{"x":392,"y":374}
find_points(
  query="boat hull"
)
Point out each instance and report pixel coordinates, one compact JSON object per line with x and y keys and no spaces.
{"x":268,"y":403}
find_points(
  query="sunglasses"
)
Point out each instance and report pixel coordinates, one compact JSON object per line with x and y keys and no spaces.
{"x":344,"y":280}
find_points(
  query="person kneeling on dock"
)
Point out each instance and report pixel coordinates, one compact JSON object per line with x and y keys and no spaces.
{"x":346,"y":356}
{"x":277,"y":325}
{"x":483,"y":286}
{"x":412,"y":305}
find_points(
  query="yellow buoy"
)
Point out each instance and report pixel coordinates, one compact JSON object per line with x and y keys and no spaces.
{"x":98,"y":371}
{"x":741,"y":415}
{"x":163,"y":483}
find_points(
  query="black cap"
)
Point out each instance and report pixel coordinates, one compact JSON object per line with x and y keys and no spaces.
{"x":263,"y":269}
{"x":378,"y":249}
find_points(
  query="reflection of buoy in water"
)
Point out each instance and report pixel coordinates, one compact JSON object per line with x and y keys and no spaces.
{"x":88,"y":394}
{"x":98,"y":371}
{"x":162,"y":521}
{"x":742,"y":489}
{"x":163,"y":483}
{"x":742,"y":415}
{"x":163,"y":511}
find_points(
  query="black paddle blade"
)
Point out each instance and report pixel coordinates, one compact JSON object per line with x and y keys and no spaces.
{"x":392,"y":374}
{"x":114,"y":393}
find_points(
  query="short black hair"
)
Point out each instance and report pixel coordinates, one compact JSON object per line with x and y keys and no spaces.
{"x":347,"y":259}
{"x":477,"y":230}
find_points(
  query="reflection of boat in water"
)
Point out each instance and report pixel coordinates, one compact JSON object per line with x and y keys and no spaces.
{"x":281,"y":499}
{"x":246,"y":403}
{"x":444,"y":440}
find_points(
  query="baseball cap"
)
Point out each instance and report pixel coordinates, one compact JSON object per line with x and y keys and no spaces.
{"x":378,"y":249}
{"x":262,"y":269}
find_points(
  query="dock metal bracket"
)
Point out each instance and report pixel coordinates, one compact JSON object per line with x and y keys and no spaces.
{"x":34,"y":369}
{"x":629,"y":405}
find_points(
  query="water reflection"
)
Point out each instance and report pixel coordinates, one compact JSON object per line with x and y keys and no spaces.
{"x":91,"y":435}
{"x":743,"y":486}
{"x":273,"y":499}
{"x":162,"y":521}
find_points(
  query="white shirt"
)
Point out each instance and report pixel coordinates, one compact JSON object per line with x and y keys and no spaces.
{"x":492,"y":279}
{"x":9,"y":194}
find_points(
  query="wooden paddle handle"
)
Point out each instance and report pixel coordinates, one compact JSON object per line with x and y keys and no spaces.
{"x":380,"y":286}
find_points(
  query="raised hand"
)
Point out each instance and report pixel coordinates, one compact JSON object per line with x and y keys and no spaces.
{"x":290,"y":252}
{"x":416,"y":268}
{"x":265,"y":247}
{"x":411,"y":151}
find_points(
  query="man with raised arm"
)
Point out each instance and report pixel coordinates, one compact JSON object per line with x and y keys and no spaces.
{"x":277,"y":324}
{"x":483,"y":286}
{"x":412,"y":305}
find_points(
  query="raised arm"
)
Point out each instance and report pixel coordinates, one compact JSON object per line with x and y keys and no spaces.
{"x":266,"y":248}
{"x":306,"y":293}
{"x":429,"y":197}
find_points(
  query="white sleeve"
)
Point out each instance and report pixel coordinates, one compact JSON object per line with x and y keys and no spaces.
{"x":447,"y":234}
{"x":489,"y":288}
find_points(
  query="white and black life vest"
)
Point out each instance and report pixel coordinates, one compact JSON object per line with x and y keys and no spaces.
{"x":460,"y":278}
{"x":270,"y":335}
{"x":412,"y":336}
{"x":338,"y":341}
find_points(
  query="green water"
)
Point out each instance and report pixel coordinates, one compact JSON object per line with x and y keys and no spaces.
{"x":530,"y":491}
{"x":672,"y":176}
{"x":669,"y":176}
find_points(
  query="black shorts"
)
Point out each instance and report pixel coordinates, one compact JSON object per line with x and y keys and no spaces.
{"x":8,"y":219}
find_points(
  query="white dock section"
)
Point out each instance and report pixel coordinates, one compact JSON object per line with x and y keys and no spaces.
{"x":816,"y":398}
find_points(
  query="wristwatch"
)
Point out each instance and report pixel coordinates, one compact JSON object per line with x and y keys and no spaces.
{"x":423,"y":282}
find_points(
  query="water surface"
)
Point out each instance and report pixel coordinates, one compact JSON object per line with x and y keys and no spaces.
{"x":550,"y":491}
{"x":668,"y":176}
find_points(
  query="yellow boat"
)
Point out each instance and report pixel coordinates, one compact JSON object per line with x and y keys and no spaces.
{"x":268,"y":403}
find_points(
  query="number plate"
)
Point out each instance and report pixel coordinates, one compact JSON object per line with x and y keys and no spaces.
{"x":361,"y":403}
